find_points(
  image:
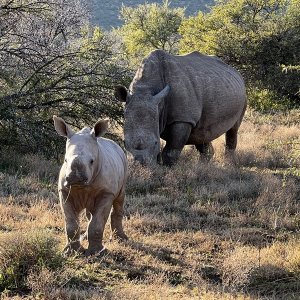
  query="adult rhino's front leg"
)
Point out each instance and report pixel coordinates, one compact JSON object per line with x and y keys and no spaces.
{"x":176,"y":138}
{"x":97,"y":223}
{"x":206,"y":151}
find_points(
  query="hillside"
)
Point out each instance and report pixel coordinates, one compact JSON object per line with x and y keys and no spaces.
{"x":106,"y":13}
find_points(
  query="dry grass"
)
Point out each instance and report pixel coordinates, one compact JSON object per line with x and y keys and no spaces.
{"x":197,"y":231}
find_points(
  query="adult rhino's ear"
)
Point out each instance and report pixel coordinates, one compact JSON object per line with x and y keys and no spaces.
{"x":121,"y":93}
{"x":62,"y":128}
{"x":161,"y":95}
{"x":100,"y":128}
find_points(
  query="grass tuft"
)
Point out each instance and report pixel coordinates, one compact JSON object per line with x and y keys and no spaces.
{"x":271,"y":270}
{"x":22,"y":254}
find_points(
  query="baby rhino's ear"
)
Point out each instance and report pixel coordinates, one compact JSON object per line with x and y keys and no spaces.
{"x":62,"y":128}
{"x":100,"y":128}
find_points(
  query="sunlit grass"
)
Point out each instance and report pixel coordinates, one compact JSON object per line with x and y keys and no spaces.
{"x":197,"y":230}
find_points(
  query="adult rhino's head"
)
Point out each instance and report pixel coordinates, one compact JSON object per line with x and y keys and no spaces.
{"x":82,"y":158}
{"x":141,"y":126}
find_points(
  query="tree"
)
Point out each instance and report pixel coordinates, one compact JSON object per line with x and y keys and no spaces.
{"x":259,"y":37}
{"x":148,"y":27}
{"x":52,"y":62}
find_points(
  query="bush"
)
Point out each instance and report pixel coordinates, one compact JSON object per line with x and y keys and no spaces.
{"x":148,"y":27}
{"x":267,"y":101}
{"x":260,"y":38}
{"x":21,"y":254}
{"x":53,"y":62}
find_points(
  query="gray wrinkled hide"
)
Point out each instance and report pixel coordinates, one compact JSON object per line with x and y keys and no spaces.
{"x":207,"y":99}
{"x":92,"y":177}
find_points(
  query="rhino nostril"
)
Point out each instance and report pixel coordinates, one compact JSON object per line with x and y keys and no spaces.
{"x":140,"y":144}
{"x":139,"y":147}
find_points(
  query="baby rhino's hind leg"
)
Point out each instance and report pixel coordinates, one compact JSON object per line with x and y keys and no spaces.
{"x":83,"y":236}
{"x":117,"y":217}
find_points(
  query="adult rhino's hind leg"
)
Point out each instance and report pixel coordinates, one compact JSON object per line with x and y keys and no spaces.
{"x":117,"y":217}
{"x":176,"y":138}
{"x":231,"y":143}
{"x":206,"y":151}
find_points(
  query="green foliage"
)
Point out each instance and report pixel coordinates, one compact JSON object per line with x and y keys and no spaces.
{"x":258,"y":37}
{"x":148,"y":27}
{"x":267,"y":101}
{"x":22,"y":253}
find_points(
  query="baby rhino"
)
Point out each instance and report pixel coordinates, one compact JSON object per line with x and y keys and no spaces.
{"x":93,"y":178}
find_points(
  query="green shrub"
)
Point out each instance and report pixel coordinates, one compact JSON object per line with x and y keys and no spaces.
{"x":21,"y":254}
{"x":148,"y":27}
{"x":267,"y":101}
{"x":259,"y":38}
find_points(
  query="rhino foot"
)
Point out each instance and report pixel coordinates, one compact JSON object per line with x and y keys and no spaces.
{"x":97,"y":251}
{"x":83,"y":236}
{"x":73,"y":249}
{"x":119,"y":235}
{"x":230,"y":158}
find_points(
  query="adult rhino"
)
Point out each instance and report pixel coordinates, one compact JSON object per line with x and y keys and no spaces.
{"x":190,"y":99}
{"x":93,"y":178}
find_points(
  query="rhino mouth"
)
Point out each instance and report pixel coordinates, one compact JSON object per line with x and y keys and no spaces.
{"x":75,"y":184}
{"x":141,"y":159}
{"x":75,"y":181}
{"x":145,"y":160}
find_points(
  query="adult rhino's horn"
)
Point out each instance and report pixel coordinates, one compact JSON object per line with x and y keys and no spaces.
{"x":162,"y":94}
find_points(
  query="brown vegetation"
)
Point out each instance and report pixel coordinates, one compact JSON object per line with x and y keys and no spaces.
{"x":197,"y":230}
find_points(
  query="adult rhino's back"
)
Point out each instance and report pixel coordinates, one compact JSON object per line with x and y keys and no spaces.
{"x":203,"y":89}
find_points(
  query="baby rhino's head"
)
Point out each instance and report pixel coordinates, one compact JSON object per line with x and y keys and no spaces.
{"x":82,"y":151}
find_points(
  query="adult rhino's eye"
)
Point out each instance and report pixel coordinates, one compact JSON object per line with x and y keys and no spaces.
{"x":91,"y":161}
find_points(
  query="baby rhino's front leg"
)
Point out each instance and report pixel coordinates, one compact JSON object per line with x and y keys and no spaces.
{"x":97,"y":223}
{"x":72,"y":228}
